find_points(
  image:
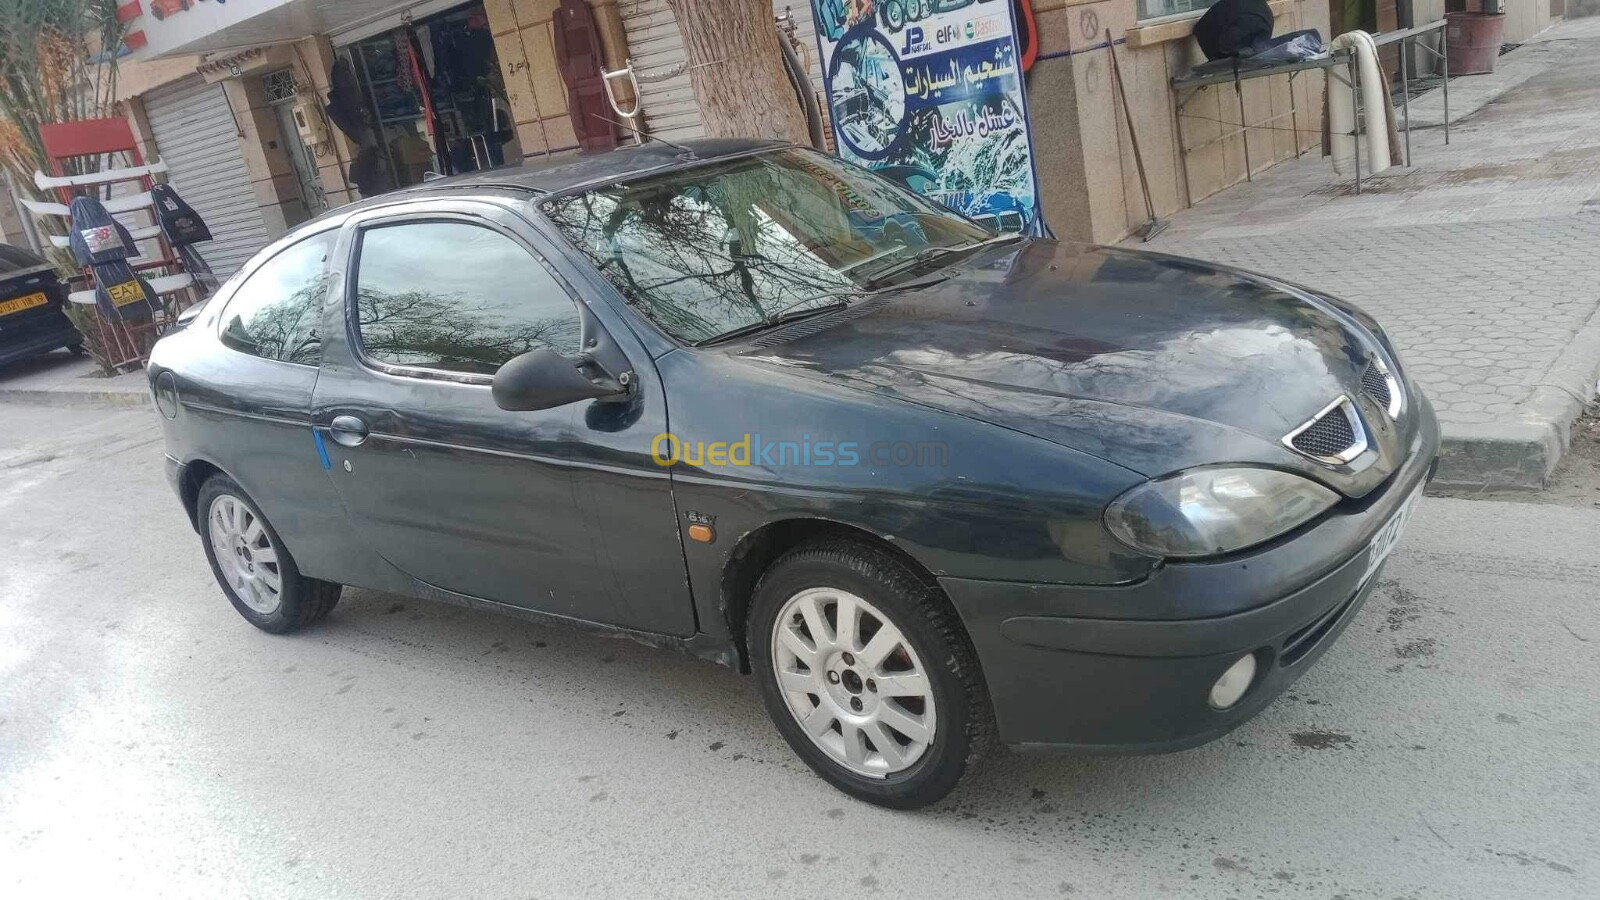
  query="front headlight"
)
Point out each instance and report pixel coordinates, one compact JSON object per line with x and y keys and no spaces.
{"x":1207,"y":512}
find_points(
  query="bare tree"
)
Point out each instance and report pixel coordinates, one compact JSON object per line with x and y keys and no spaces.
{"x":736,"y":66}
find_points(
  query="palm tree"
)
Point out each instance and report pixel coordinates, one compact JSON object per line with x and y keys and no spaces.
{"x":46,"y":73}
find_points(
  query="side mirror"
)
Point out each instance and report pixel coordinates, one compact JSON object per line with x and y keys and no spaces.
{"x":544,"y":379}
{"x":189,"y":315}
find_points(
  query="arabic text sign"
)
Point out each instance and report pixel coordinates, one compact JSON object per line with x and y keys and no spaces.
{"x":929,"y":94}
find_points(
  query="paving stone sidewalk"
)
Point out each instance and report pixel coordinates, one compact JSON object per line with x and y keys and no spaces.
{"x":1482,"y":259}
{"x":61,"y":379}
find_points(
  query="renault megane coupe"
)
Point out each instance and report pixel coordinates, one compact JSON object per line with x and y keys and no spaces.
{"x":936,"y":489}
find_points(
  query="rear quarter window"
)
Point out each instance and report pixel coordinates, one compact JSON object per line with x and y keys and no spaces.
{"x":276,"y":312}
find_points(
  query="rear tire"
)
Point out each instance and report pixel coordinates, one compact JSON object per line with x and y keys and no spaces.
{"x":252,"y":565}
{"x":889,"y":707}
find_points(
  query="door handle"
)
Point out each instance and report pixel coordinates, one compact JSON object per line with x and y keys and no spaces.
{"x":348,"y":430}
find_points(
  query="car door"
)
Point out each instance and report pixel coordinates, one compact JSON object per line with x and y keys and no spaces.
{"x":246,"y":390}
{"x":558,"y":510}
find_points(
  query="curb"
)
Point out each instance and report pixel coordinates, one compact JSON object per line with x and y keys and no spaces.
{"x":1521,"y":453}
{"x":78,"y":399}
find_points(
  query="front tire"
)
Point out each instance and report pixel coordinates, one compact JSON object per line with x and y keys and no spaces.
{"x":867,"y":673}
{"x":252,"y":565}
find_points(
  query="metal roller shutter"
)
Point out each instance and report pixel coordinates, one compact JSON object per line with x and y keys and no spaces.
{"x":197,"y":138}
{"x":655,"y":44}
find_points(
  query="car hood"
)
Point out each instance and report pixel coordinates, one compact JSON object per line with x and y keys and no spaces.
{"x":1149,"y":361}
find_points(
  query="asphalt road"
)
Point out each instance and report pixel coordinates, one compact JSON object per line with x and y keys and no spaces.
{"x":152,"y":743}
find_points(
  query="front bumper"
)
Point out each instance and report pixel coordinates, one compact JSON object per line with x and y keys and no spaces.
{"x":1064,"y":674}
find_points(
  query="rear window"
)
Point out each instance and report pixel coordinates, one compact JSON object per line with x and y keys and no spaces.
{"x":16,"y":259}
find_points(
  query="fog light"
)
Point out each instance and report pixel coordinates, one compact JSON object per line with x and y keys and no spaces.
{"x":1234,"y":682}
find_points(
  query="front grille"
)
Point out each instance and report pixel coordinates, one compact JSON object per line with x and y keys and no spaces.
{"x":1375,"y":384}
{"x":1329,"y":436}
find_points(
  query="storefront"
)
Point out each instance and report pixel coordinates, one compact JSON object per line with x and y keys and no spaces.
{"x":428,"y":97}
{"x":194,"y":128}
{"x":338,"y":99}
{"x":274,"y":111}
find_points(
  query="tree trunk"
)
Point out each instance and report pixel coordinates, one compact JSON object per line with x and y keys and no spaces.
{"x":736,"y":66}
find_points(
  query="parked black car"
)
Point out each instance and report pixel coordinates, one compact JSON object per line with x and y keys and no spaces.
{"x":934,"y":488}
{"x":32,"y":320}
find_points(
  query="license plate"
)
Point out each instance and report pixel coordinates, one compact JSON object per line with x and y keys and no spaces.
{"x":8,"y":307}
{"x":125,"y":293}
{"x":1388,"y":536}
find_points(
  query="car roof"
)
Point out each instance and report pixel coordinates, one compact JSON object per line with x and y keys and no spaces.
{"x":546,"y":175}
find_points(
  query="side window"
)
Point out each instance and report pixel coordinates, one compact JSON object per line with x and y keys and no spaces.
{"x":459,"y":297}
{"x":277,"y":311}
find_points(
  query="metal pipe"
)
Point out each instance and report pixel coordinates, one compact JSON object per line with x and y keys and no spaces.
{"x":1355,"y":113}
{"x":1405,"y":88}
{"x":1244,"y":129}
{"x":1444,"y":45}
{"x":1294,"y":117}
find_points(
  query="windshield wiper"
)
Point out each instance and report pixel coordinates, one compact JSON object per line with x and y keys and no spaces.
{"x":781,"y":317}
{"x":929,"y":254}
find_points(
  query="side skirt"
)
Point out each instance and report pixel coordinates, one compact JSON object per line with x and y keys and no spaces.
{"x":699,"y":645}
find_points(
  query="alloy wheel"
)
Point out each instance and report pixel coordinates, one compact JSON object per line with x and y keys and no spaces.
{"x":853,"y":682}
{"x":245,"y":554}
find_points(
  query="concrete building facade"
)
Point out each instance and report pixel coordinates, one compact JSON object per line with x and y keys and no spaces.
{"x":273,"y":57}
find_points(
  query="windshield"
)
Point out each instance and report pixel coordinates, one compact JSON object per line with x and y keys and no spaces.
{"x":722,"y":247}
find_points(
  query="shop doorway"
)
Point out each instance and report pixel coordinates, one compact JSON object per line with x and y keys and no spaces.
{"x":282,"y":93}
{"x":434,"y":99}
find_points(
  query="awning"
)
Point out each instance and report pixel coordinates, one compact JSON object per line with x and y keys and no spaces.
{"x":174,"y":27}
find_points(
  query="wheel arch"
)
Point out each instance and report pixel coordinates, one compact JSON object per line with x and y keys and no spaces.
{"x":194,"y":474}
{"x":758,"y":550}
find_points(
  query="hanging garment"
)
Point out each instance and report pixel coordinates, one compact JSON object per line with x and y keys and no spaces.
{"x":344,"y":102}
{"x":370,"y":172}
{"x":424,"y":81}
{"x":579,"y":59}
{"x":1382,"y":148}
{"x":179,"y":222}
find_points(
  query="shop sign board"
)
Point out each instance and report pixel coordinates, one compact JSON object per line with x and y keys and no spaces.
{"x":929,"y":93}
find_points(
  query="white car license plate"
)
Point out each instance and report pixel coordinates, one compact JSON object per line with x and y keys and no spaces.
{"x":1388,"y":536}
